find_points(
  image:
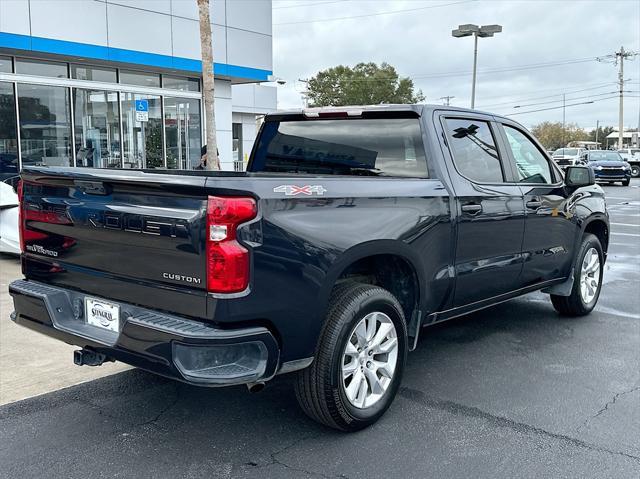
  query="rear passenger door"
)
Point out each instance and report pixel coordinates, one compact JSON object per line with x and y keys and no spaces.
{"x":550,"y":226}
{"x":490,"y":219}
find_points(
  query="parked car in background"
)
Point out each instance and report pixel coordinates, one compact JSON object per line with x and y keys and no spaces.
{"x":632,"y":156}
{"x":8,"y":165}
{"x":569,"y":156}
{"x":9,"y":240}
{"x":609,"y":166}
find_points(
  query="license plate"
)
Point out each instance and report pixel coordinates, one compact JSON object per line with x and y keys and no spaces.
{"x":102,"y":314}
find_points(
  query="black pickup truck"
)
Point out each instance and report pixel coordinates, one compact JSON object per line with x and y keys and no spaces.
{"x":353,"y":228}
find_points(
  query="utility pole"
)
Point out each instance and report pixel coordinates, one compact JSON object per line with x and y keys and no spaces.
{"x":563,"y":117}
{"x":305,"y":93}
{"x":620,"y":56}
{"x":597,"y":128}
{"x":446,"y":100}
{"x":618,"y":59}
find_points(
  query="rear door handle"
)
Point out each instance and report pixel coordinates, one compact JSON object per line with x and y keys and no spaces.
{"x":534,"y":204}
{"x":472,"y":208}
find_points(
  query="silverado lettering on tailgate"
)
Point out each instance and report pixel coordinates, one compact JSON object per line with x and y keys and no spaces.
{"x":140,"y":224}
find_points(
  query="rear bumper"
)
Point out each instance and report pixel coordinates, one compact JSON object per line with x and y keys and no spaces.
{"x":171,"y":346}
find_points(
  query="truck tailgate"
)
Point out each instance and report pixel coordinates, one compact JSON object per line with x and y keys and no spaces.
{"x":131,"y":236}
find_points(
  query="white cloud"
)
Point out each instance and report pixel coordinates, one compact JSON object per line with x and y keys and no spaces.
{"x":419,"y":45}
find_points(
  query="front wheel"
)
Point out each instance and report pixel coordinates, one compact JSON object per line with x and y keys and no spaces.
{"x":587,"y":273}
{"x":626,"y":182}
{"x":359,"y":359}
{"x":635,"y":170}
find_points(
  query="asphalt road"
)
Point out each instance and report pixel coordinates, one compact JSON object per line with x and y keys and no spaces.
{"x":513,"y":391}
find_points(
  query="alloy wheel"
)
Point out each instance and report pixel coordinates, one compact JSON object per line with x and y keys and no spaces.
{"x":590,"y":275}
{"x":369,"y":360}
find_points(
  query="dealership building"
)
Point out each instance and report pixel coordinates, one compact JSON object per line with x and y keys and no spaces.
{"x":117,"y":83}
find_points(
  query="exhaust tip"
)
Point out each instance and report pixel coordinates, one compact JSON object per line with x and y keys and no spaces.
{"x":255,"y":387}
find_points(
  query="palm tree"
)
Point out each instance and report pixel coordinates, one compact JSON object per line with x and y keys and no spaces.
{"x":208,"y":86}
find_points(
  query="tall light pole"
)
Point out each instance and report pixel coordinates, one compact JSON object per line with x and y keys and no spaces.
{"x":482,"y":32}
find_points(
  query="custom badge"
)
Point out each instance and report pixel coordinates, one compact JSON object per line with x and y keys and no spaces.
{"x":293,"y":190}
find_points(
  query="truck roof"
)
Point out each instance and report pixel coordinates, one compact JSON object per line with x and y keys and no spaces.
{"x":357,"y":110}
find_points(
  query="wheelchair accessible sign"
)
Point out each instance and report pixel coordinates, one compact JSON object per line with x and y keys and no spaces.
{"x":142,"y":110}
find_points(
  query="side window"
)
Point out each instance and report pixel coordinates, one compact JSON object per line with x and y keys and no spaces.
{"x":531,"y":164}
{"x":474,"y":150}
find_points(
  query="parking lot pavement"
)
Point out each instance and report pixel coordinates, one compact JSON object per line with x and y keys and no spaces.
{"x":30,"y":363}
{"x":512,"y":391}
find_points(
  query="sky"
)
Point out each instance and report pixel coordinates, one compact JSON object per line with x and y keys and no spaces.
{"x":546,"y":48}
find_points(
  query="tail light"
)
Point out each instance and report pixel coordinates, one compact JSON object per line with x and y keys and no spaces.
{"x":228,"y":264}
{"x":31,"y":214}
{"x":21,"y":215}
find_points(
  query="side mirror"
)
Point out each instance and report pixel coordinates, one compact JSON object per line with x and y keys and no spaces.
{"x":577,"y":176}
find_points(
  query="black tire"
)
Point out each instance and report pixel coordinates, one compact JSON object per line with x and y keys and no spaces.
{"x":319,"y":387}
{"x":574,"y":305}
{"x":635,"y":170}
{"x":626,"y":182}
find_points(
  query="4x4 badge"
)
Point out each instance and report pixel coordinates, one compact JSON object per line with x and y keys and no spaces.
{"x":293,"y":190}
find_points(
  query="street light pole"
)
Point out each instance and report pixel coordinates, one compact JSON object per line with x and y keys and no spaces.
{"x":482,"y":32}
{"x":475,"y":66}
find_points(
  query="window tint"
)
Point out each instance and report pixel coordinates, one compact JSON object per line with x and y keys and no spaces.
{"x":142,"y":141}
{"x":8,"y":132}
{"x":381,"y":147}
{"x":45,"y":125}
{"x":139,"y":78}
{"x":93,"y":73}
{"x":474,"y":150}
{"x":180,"y":83}
{"x":531,"y":164}
{"x":604,"y":156}
{"x":5,"y":65}
{"x":97,"y":128}
{"x":40,"y":68}
{"x":182,"y":131}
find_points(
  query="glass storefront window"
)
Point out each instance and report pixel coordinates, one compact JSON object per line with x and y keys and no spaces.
{"x":180,"y":83}
{"x":5,"y":65}
{"x":238,"y":159}
{"x":140,"y":78}
{"x":39,"y":68}
{"x":183,"y":130}
{"x":97,"y":128}
{"x":142,"y":139}
{"x":45,"y":126}
{"x":8,"y":133}
{"x":107,"y":75}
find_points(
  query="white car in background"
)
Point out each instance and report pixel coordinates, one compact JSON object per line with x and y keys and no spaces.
{"x":632,"y":156}
{"x":9,"y":236}
{"x":569,"y":156}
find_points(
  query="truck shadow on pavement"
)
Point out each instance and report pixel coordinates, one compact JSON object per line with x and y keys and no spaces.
{"x":140,"y":425}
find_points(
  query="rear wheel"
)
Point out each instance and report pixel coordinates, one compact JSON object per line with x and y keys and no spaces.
{"x":635,"y":170}
{"x":359,"y":359}
{"x":587,"y":272}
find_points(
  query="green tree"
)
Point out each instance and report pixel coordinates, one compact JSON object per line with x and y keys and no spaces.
{"x":552,"y":136}
{"x":602,"y":135}
{"x":364,"y":84}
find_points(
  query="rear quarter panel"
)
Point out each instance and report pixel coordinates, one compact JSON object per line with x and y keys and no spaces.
{"x":301,"y":244}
